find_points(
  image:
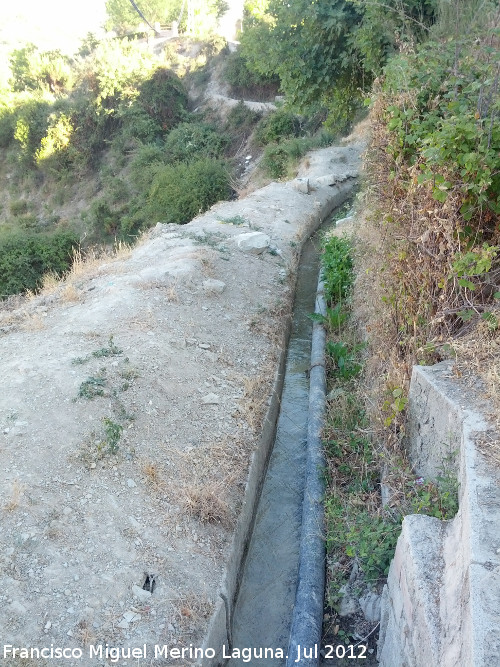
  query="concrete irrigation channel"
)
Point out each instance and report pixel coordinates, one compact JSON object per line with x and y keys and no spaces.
{"x":263,"y":613}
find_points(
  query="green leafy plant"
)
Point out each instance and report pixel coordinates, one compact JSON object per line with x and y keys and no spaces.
{"x":92,"y":387}
{"x":25,"y":259}
{"x":180,"y":192}
{"x":113,"y":433}
{"x":337,"y":268}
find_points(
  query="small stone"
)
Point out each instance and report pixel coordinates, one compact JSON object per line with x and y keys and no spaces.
{"x":301,"y":185}
{"x":370,"y":606}
{"x":253,"y":243}
{"x":123,"y":625}
{"x":210,"y":399}
{"x":212,"y":286}
{"x":170,"y":627}
{"x":67,"y":592}
{"x":204,"y":346}
{"x":140,"y":593}
{"x":131,"y":616}
{"x":348,"y":604}
{"x":48,"y":625}
{"x":17,"y":608}
{"x":131,"y":484}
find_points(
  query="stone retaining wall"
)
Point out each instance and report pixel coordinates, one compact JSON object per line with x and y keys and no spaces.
{"x":441,"y":604}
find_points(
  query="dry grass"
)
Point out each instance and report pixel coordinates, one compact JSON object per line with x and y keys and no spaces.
{"x":84,"y":633}
{"x":209,"y":480}
{"x":191,"y":611}
{"x":209,"y":504}
{"x":253,"y":405}
{"x":152,"y":475}
{"x":16,"y":495}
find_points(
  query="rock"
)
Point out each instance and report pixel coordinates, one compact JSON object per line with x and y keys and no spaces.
{"x":123,"y":625}
{"x":140,"y":593}
{"x":253,"y":243}
{"x":212,"y":286}
{"x":301,"y":185}
{"x":370,"y":606}
{"x":210,"y":399}
{"x":17,"y":608}
{"x":204,"y":346}
{"x":348,"y":604}
{"x":342,"y":221}
{"x":131,"y":616}
{"x":131,"y":484}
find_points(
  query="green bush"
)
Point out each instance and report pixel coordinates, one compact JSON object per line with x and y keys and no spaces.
{"x":246,"y":82}
{"x":7,"y":125}
{"x":275,"y":161}
{"x":189,"y":141}
{"x":32,"y":121}
{"x":163,"y":98}
{"x":280,"y":124}
{"x":25,"y":259}
{"x":180,"y":192}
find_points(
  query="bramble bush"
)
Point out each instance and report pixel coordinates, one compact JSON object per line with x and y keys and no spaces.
{"x":25,"y":259}
{"x":182,"y":191}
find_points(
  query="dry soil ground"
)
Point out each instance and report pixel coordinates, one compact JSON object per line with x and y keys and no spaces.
{"x":130,"y":404}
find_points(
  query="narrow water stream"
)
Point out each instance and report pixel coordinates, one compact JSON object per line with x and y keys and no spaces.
{"x":263,"y":613}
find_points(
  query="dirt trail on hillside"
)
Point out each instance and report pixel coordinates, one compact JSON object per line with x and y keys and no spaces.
{"x":131,"y":403}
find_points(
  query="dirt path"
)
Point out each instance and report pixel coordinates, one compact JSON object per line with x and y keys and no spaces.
{"x":131,"y":402}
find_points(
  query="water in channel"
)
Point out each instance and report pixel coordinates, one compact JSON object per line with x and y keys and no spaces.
{"x":263,"y":612}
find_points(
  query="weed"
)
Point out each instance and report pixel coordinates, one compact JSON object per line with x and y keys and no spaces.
{"x":92,"y":387}
{"x":345,"y":359}
{"x":234,"y":220}
{"x":209,"y":504}
{"x":110,"y":351}
{"x":113,"y":433}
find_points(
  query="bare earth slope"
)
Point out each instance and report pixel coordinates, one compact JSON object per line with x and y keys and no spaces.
{"x":124,"y":459}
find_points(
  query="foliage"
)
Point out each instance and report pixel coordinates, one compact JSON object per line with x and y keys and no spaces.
{"x":325,"y":53}
{"x":182,"y":191}
{"x":345,"y":359}
{"x":280,"y":124}
{"x":123,"y":18}
{"x":32,"y":120}
{"x":54,"y":145}
{"x":248,"y":83}
{"x":436,"y":179}
{"x":280,"y":160}
{"x":337,"y":268}
{"x":163,"y":98}
{"x":25,"y":259}
{"x":32,"y":70}
{"x":189,"y":141}
{"x":113,"y":433}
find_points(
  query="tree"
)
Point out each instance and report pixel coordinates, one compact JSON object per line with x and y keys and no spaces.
{"x":325,"y":53}
{"x":123,"y":18}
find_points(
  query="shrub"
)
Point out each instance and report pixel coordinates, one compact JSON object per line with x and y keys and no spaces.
{"x":163,"y":98}
{"x":32,"y":120}
{"x":246,"y":82}
{"x":279,"y":125}
{"x":7,"y":125}
{"x":25,"y":259}
{"x":180,"y":192}
{"x":190,"y":141}
{"x":275,"y":161}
